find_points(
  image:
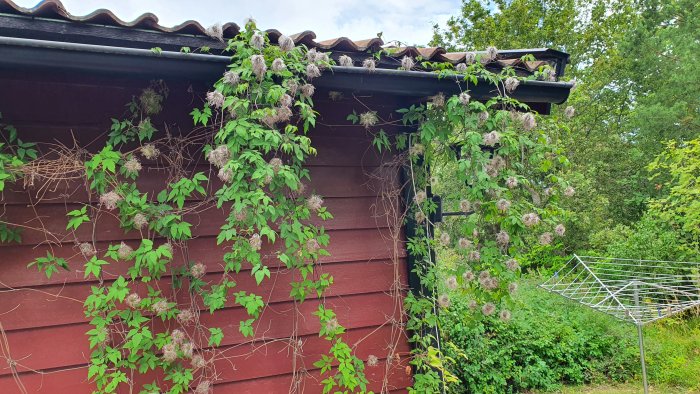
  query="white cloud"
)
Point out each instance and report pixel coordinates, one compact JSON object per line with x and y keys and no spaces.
{"x":408,"y":21}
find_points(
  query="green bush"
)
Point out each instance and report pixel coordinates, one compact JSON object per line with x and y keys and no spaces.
{"x":649,"y":239}
{"x":550,"y":341}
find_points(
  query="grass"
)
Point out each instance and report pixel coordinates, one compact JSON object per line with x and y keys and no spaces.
{"x":628,"y":388}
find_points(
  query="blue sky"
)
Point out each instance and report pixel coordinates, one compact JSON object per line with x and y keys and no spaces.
{"x":409,"y":21}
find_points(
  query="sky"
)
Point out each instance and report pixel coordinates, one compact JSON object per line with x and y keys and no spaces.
{"x":407,"y":21}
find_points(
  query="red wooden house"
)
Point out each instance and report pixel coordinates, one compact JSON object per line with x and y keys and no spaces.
{"x":63,"y":77}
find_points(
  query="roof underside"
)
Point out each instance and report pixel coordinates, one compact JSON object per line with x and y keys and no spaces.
{"x":49,"y":21}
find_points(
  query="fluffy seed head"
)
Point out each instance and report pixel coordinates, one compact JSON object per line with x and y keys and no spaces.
{"x":445,"y":239}
{"x":140,"y":221}
{"x":407,"y":63}
{"x":372,"y":360}
{"x":219,"y":156}
{"x":132,"y":300}
{"x":332,"y":325}
{"x":511,"y":84}
{"x":187,"y":349}
{"x":569,"y":112}
{"x":124,"y":252}
{"x":465,"y":206}
{"x":491,"y":169}
{"x":560,"y":230}
{"x":169,"y":352}
{"x":472,"y":304}
{"x":531,"y":219}
{"x":468,"y":276}
{"x":488,"y":309}
{"x":438,"y":100}
{"x":110,"y":199}
{"x":151,"y":101}
{"x":491,"y":54}
{"x":314,"y":202}
{"x":132,"y":166}
{"x":198,"y":270}
{"x":503,"y":205}
{"x":512,"y":264}
{"x":278,"y":65}
{"x":257,"y":41}
{"x":216,"y":32}
{"x":286,"y":100}
{"x":483,"y":275}
{"x":469,"y":58}
{"x":502,"y":238}
{"x":185,"y":317}
{"x":569,"y":191}
{"x":292,"y":87}
{"x":512,"y":182}
{"x":160,"y":307}
{"x":461,"y":67}
{"x":285,"y":43}
{"x":312,"y":245}
{"x":464,"y":98}
{"x":451,"y":283}
{"x":255,"y":241}
{"x":276,"y":164}
{"x":369,"y":64}
{"x":464,"y":243}
{"x":474,"y":255}
{"x":311,"y":55}
{"x":198,"y":361}
{"x":505,"y":315}
{"x":483,"y":117}
{"x":215,"y":99}
{"x":345,"y":61}
{"x":231,"y":78}
{"x":149,"y":151}
{"x":87,"y":249}
{"x":528,"y":121}
{"x":177,"y":335}
{"x":368,"y":119}
{"x":420,"y":217}
{"x":203,"y":387}
{"x":444,"y":301}
{"x":258,"y":65}
{"x":312,"y":71}
{"x":308,"y":90}
{"x":225,"y":174}
{"x":491,"y":138}
{"x":420,"y":197}
{"x":546,"y":238}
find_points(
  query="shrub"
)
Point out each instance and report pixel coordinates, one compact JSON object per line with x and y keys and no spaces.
{"x":550,"y":341}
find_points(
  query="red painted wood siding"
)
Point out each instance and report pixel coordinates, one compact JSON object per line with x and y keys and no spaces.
{"x":43,"y":318}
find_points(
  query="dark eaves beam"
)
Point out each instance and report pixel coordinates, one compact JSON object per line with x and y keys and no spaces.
{"x":23,"y":53}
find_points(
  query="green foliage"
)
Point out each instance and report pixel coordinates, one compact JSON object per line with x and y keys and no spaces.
{"x":552,"y":341}
{"x":549,"y":342}
{"x":678,"y":171}
{"x":49,"y":265}
{"x":649,"y":239}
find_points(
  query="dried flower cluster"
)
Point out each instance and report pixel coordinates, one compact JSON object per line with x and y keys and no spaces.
{"x":109,"y":200}
{"x":368,"y":119}
{"x":219,"y":156}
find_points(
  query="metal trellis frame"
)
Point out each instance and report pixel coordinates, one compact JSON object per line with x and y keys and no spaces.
{"x":634,"y":291}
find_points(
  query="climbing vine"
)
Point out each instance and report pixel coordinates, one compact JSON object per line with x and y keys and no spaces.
{"x":252,"y":132}
{"x":500,"y":166}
